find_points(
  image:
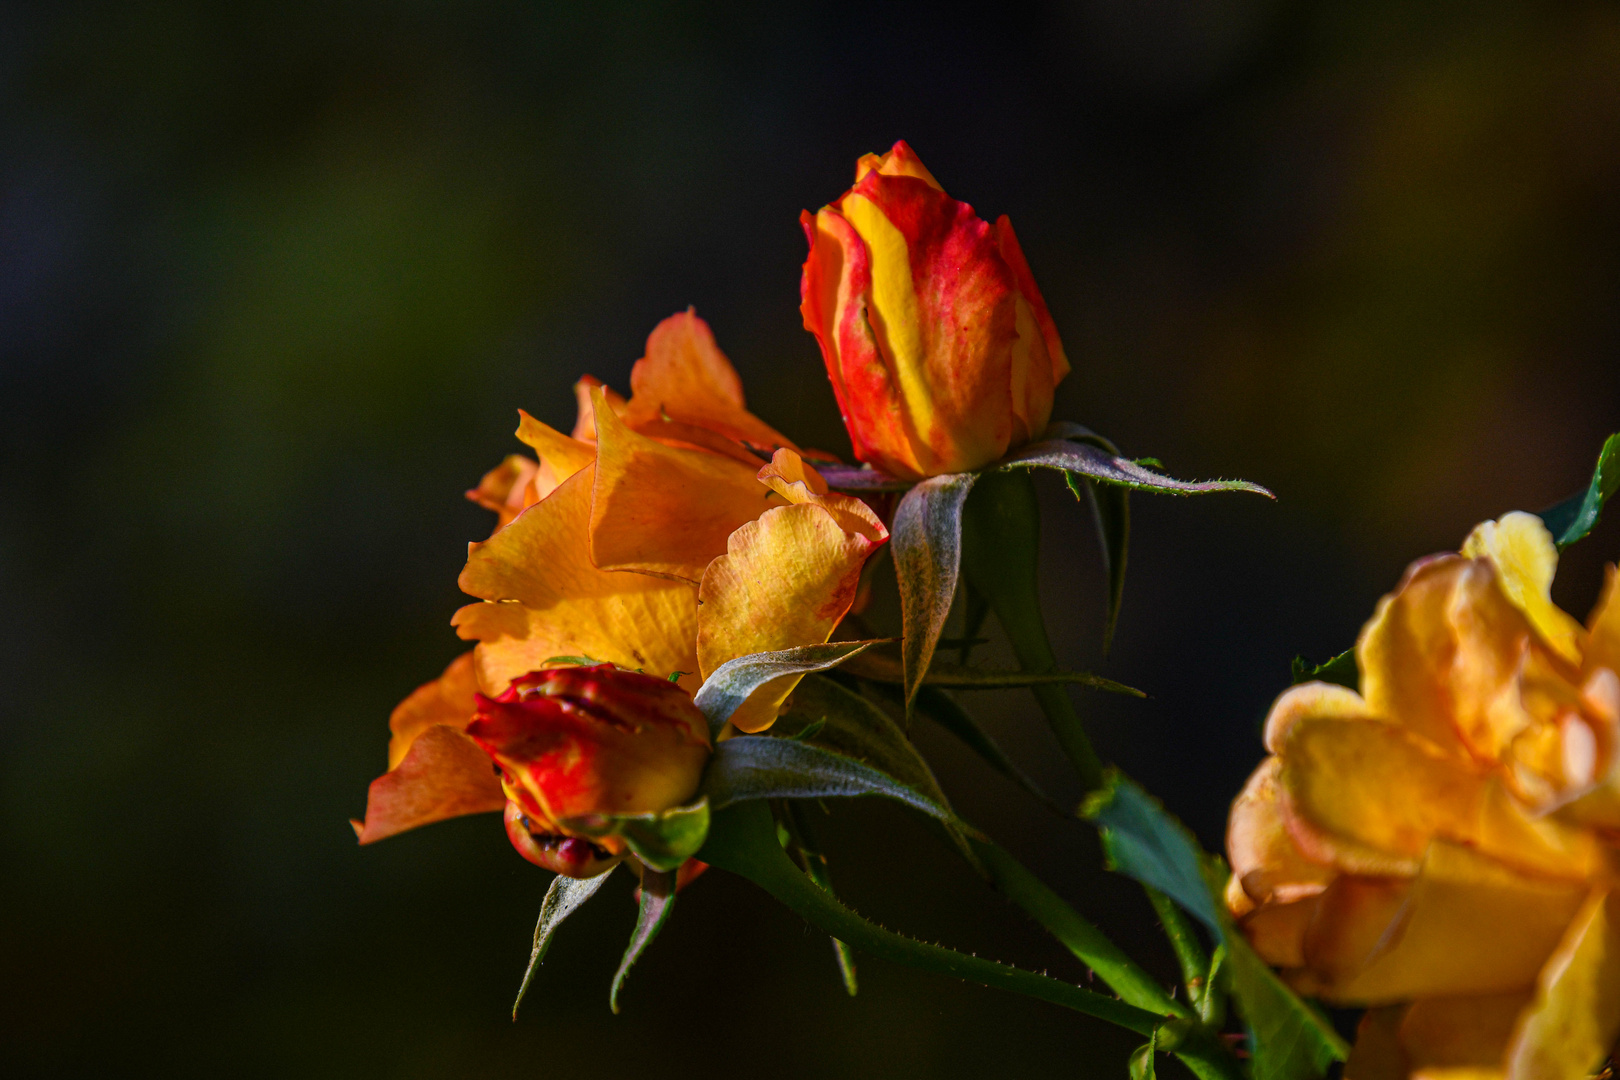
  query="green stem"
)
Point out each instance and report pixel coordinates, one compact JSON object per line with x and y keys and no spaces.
{"x":796,"y":816}
{"x":741,"y":839}
{"x":1001,"y":525}
{"x":1184,"y":940}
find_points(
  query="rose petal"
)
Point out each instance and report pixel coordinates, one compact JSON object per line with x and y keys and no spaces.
{"x":443,"y":775}
{"x":560,"y":456}
{"x":1460,"y":1033}
{"x":1526,"y":559}
{"x":1574,"y":1018}
{"x":447,"y":700}
{"x":1265,"y":860}
{"x":507,"y":489}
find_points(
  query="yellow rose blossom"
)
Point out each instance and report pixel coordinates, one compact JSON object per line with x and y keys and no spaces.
{"x":1444,"y":845}
{"x":605,"y":546}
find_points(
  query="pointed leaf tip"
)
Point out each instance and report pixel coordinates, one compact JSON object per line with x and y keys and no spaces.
{"x":926,"y":545}
{"x":657,"y":901}
{"x":1575,"y":517}
{"x":564,"y":896}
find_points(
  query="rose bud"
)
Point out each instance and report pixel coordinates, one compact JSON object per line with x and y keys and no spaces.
{"x":938,"y":344}
{"x":578,"y":741}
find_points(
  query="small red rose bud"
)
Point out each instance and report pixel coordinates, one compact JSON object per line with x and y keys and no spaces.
{"x":578,"y":741}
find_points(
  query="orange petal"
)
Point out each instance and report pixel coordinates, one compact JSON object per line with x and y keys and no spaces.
{"x":1603,"y":642}
{"x":686,"y":377}
{"x":666,"y":510}
{"x":1460,"y":1037}
{"x":545,"y":598}
{"x":1317,"y":699}
{"x":560,"y":456}
{"x":1265,"y":860}
{"x":1521,"y":549}
{"x":507,"y":488}
{"x":1277,"y":931}
{"x":1574,"y":1019}
{"x":447,"y":700}
{"x":1471,"y":925}
{"x":1353,"y":920}
{"x":1377,"y":1054}
{"x":901,"y":160}
{"x":785,"y":580}
{"x":585,"y":420}
{"x":793,"y":478}
{"x":443,"y":775}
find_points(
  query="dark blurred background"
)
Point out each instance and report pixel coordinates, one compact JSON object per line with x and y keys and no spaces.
{"x":274,"y":279}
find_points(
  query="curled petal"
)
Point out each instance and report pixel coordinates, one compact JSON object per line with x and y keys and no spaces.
{"x":544,"y":598}
{"x":1265,"y":860}
{"x":686,"y":377}
{"x":560,"y":456}
{"x":585,"y":420}
{"x":443,"y":775}
{"x":1312,"y":699}
{"x":507,"y":489}
{"x":1526,"y":559}
{"x":666,"y":510}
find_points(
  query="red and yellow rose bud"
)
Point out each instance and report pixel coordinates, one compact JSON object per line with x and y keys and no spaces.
{"x":574,"y":742}
{"x":1444,"y":845}
{"x":937,"y":341}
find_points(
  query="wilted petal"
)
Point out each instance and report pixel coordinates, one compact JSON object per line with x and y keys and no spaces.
{"x":785,"y":580}
{"x":507,"y":488}
{"x":443,"y":775}
{"x":666,"y":510}
{"x":1574,"y":1019}
{"x":447,"y":700}
{"x":545,"y":598}
{"x":686,"y":377}
{"x":1526,"y":559}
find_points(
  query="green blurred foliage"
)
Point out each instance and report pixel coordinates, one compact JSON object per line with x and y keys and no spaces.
{"x":275,"y":278}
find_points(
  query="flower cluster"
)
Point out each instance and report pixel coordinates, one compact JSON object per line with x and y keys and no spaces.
{"x":1444,"y":845}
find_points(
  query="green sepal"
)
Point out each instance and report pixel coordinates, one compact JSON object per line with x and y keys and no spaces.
{"x":926,"y":545}
{"x":1289,"y":1039}
{"x":1577,"y":515}
{"x":662,"y":841}
{"x":1078,"y":450}
{"x":1142,"y":1059}
{"x":735,"y":681}
{"x":564,"y":896}
{"x":657,"y":901}
{"x":1341,"y":669}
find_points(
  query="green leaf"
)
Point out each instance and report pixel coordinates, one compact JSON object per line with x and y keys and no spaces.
{"x":562,"y":899}
{"x":1111,"y":512}
{"x":1189,"y":950}
{"x":1577,"y":515}
{"x":1290,"y":1040}
{"x":663,"y":841}
{"x":1001,"y":530}
{"x":926,"y":544}
{"x":1098,"y":464}
{"x":657,"y":901}
{"x":944,"y":710}
{"x":733,"y":682}
{"x":753,"y":767}
{"x":1142,"y":1059}
{"x":1341,"y":670}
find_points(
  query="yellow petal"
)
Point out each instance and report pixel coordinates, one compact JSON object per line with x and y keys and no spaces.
{"x":1574,"y":1019}
{"x":560,"y":456}
{"x":1353,"y":921}
{"x":785,"y":580}
{"x":686,"y":377}
{"x":545,"y":598}
{"x":665,"y":510}
{"x":1603,"y":642}
{"x":1405,"y":651}
{"x":1318,"y":699}
{"x":447,"y":700}
{"x":793,"y":478}
{"x":1526,"y":559}
{"x":443,"y":775}
{"x":1470,"y":925}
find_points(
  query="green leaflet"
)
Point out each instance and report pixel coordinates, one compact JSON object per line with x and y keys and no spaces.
{"x":1098,"y":464}
{"x":926,"y":544}
{"x":1189,"y":950}
{"x":1290,"y":1040}
{"x":1001,"y":527}
{"x":752,"y":767}
{"x":1142,"y":1059}
{"x":733,"y":682}
{"x":662,"y":841}
{"x":657,"y":901}
{"x":1341,"y":669}
{"x":562,"y":899}
{"x":1576,"y":516}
